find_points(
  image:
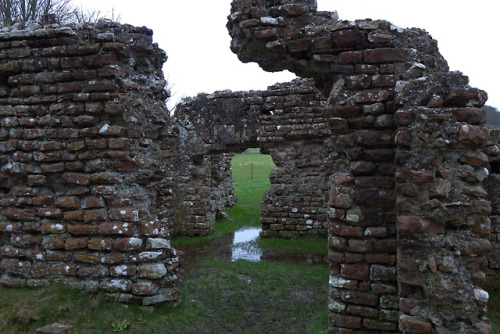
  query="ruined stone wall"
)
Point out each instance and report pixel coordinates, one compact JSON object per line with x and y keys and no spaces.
{"x":285,"y":121}
{"x":492,"y":186}
{"x":408,"y":217}
{"x":86,"y":175}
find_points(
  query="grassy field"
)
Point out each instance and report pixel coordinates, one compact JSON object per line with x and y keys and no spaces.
{"x":494,"y":310}
{"x":218,"y":297}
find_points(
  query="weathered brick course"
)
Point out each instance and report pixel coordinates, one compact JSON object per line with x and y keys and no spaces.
{"x":71,"y":165}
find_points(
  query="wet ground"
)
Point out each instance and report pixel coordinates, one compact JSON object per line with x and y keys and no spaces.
{"x":240,"y":245}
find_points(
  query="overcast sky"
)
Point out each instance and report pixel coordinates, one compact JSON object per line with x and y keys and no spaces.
{"x":194,"y":35}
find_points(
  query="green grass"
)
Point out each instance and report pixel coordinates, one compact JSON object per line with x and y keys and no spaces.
{"x":250,"y":297}
{"x":249,"y":192}
{"x":494,"y":310}
{"x":24,"y":310}
{"x":218,"y":297}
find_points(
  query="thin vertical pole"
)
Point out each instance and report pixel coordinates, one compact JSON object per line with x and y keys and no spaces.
{"x":251,"y":172}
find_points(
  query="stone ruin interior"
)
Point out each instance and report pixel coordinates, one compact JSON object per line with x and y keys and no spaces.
{"x":378,"y":145}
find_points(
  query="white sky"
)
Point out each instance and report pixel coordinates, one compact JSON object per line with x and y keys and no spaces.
{"x":193,"y":34}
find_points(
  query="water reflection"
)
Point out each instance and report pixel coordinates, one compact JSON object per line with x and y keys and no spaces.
{"x":239,"y":245}
{"x":243,"y":249}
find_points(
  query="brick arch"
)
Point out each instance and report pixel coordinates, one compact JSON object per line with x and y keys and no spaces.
{"x":406,"y":202}
{"x":285,"y":122}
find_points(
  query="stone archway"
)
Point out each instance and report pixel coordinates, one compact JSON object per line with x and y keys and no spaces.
{"x":405,"y":193}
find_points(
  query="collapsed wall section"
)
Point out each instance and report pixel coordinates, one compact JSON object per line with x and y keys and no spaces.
{"x":85,"y":149}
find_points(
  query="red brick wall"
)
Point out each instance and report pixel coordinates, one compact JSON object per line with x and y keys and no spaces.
{"x":84,"y":149}
{"x":408,"y":216}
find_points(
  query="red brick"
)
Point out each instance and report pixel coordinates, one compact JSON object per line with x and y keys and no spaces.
{"x":75,"y":215}
{"x":341,"y":197}
{"x":414,"y":326}
{"x":354,"y":258}
{"x":345,"y":230}
{"x":100,"y":244}
{"x":380,"y":258}
{"x":96,"y":144}
{"x":349,"y":38}
{"x":76,"y":178}
{"x":151,"y":228}
{"x":360,"y":246}
{"x":376,"y":198}
{"x":410,"y":225}
{"x":338,"y":320}
{"x":470,"y":115}
{"x":374,"y":182}
{"x":125,"y":214}
{"x":106,"y":178}
{"x":360,"y":298}
{"x":54,"y":228}
{"x":383,"y":55}
{"x":94,"y":215}
{"x":99,"y":86}
{"x":93,"y":270}
{"x":144,"y":288}
{"x":473,"y":135}
{"x":380,"y":325}
{"x":52,"y":242}
{"x":383,"y":273}
{"x":86,"y":257}
{"x":51,"y":213}
{"x":124,"y":229}
{"x":465,"y":98}
{"x":119,"y":143}
{"x":384,"y":80}
{"x":11,"y":227}
{"x":76,"y":243}
{"x":82,"y":229}
{"x":34,"y":133}
{"x":53,"y":168}
{"x":68,"y":202}
{"x":128,"y":244}
{"x":373,"y":138}
{"x":350,"y":57}
{"x":94,"y":202}
{"x":40,"y":269}
{"x":356,"y":271}
{"x":414,"y":279}
{"x":123,"y":270}
{"x":362,"y":168}
{"x":267,"y":34}
{"x":112,"y":130}
{"x":21,"y":214}
{"x":337,"y":243}
{"x":16,"y":267}
{"x":417,"y":176}
{"x":113,"y":258}
{"x":362,"y":311}
{"x":385,"y":246}
{"x":322,"y":43}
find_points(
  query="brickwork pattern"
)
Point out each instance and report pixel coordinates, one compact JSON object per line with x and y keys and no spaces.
{"x":285,"y":121}
{"x":85,"y":177}
{"x":408,"y":217}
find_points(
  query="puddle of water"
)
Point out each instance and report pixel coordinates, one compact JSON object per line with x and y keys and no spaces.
{"x":246,"y":235}
{"x":239,"y":246}
{"x":243,"y":249}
